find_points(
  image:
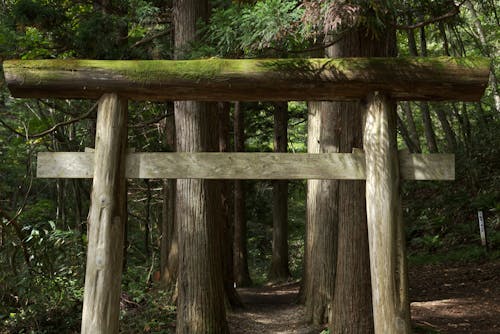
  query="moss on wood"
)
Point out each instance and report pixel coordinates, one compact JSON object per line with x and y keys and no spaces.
{"x":407,"y":78}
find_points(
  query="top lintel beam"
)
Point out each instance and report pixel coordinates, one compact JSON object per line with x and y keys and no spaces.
{"x":430,"y":79}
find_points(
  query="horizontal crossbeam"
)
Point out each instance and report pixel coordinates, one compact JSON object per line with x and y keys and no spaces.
{"x":259,"y":166}
{"x":443,"y":78}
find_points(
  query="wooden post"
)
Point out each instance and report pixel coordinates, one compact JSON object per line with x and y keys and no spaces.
{"x":391,"y":311}
{"x":107,"y":218}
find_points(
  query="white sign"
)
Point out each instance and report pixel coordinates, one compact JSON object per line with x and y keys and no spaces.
{"x":482,"y":230}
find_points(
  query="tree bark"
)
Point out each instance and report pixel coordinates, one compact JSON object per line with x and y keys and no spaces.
{"x":322,"y":217}
{"x":412,"y":129}
{"x":405,"y":134}
{"x":486,"y":51}
{"x":449,"y":134}
{"x":279,"y":261}
{"x":430,"y":135}
{"x":351,"y":310}
{"x":225,"y":212}
{"x":200,"y":305}
{"x":169,"y":247}
{"x":241,"y":273}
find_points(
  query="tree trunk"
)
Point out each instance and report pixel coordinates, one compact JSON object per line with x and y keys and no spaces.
{"x":241,"y":274}
{"x":405,"y":134}
{"x":225,"y":212}
{"x":486,"y":51}
{"x":430,"y":135}
{"x":200,"y":305}
{"x":169,"y":247}
{"x":412,"y":129}
{"x":279,"y":262}
{"x":449,"y":134}
{"x":147,"y":218}
{"x":412,"y":44}
{"x":351,"y":310}
{"x":78,"y":205}
{"x":322,"y":217}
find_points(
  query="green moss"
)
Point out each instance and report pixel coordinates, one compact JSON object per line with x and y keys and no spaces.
{"x":211,"y":69}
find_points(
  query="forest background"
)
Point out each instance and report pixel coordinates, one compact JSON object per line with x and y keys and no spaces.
{"x":43,"y":222}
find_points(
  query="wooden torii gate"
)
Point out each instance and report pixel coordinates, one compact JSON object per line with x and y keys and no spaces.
{"x":377,"y":81}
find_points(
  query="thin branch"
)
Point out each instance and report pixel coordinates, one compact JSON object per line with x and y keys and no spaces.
{"x":150,"y":38}
{"x":455,"y":11}
{"x":314,"y":48}
{"x":19,"y":233}
{"x":152,"y":121}
{"x":53,"y":128}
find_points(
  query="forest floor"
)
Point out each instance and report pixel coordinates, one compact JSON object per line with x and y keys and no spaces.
{"x":445,"y":299}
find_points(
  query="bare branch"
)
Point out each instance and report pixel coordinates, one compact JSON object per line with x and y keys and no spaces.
{"x":455,"y":11}
{"x":150,"y":38}
{"x":152,"y":121}
{"x":53,"y":128}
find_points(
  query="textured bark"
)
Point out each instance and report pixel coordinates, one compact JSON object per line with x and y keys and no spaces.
{"x":279,"y":261}
{"x":322,"y":217}
{"x":107,"y":218}
{"x":486,"y":51}
{"x":225,"y":212}
{"x":169,"y":247}
{"x":449,"y":134}
{"x":200,"y":305}
{"x":201,"y":293}
{"x":77,"y":189}
{"x":351,"y":310}
{"x":405,"y":134}
{"x":241,"y":274}
{"x":412,"y":129}
{"x":430,"y":135}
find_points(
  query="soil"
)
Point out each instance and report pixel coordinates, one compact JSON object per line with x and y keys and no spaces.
{"x":457,"y":298}
{"x":445,"y":299}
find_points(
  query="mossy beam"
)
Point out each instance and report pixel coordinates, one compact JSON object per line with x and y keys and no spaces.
{"x":440,"y":78}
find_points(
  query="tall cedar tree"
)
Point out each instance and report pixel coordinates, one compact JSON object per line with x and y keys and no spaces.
{"x":279,"y":260}
{"x":200,"y":305}
{"x":241,"y":273}
{"x":351,"y":310}
{"x":339,"y":279}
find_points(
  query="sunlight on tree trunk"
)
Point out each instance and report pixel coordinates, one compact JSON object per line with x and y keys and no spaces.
{"x":200,"y":305}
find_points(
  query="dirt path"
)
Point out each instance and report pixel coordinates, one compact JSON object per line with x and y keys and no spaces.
{"x":445,"y":299}
{"x":457,"y":299}
{"x":270,"y":310}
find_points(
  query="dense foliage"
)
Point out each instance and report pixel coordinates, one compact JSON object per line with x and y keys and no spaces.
{"x":43,"y":222}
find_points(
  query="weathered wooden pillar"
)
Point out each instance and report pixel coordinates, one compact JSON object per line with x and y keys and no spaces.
{"x":391,"y":310}
{"x":107,"y":217}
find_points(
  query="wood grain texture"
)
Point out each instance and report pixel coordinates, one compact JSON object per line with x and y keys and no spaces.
{"x":442,"y":78}
{"x":107,"y":218}
{"x":391,"y":308}
{"x":257,"y":166}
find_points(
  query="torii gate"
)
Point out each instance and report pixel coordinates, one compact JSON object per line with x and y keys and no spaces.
{"x":378,"y":81}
